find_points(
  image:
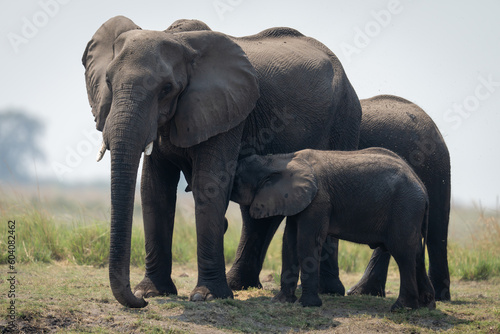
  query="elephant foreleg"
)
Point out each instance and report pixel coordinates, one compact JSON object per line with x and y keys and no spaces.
{"x":158,"y":194}
{"x":211,"y":265}
{"x":290,"y":268}
{"x":214,"y":165}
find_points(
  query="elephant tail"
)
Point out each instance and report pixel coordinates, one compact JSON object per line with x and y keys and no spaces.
{"x":425,"y":228}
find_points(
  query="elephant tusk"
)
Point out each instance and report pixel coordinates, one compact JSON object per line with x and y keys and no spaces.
{"x":148,"y":149}
{"x":101,"y":152}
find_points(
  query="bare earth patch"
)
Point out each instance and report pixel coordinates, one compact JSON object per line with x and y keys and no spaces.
{"x":65,"y":298}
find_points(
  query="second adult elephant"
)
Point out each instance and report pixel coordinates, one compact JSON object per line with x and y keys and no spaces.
{"x":404,"y":128}
{"x":196,"y":102}
{"x":401,"y":126}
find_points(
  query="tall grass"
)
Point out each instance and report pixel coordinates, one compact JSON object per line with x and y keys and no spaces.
{"x":38,"y":240}
{"x":77,"y":237}
{"x":44,"y":237}
{"x":477,"y":257}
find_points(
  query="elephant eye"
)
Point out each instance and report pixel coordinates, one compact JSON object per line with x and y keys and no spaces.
{"x":108,"y":82}
{"x":165,"y":91}
{"x":268,"y":178}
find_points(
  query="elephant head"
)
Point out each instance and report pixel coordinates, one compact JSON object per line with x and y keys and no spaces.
{"x":192,"y":85}
{"x":279,"y":185}
{"x":187,"y":25}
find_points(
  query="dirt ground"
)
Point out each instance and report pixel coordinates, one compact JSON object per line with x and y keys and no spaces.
{"x":63,"y":298}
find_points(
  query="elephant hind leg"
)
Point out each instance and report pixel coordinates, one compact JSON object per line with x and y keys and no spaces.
{"x":254,"y":242}
{"x":437,"y":241}
{"x":375,"y":275}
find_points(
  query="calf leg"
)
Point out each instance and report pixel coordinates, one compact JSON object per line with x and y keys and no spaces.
{"x":311,"y":235}
{"x":290,"y":264}
{"x":329,"y":281}
{"x":425,"y":289}
{"x":404,"y":248}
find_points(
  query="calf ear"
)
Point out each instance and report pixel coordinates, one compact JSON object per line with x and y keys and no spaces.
{"x":285,"y":192}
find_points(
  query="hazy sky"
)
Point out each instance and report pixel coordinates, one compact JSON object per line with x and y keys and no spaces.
{"x":442,"y":55}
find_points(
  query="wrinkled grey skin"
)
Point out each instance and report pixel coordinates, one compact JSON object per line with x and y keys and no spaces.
{"x":402,"y":127}
{"x":204,"y":100}
{"x":369,"y":196}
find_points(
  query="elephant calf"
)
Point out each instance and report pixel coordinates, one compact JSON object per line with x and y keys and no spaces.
{"x":370,"y":196}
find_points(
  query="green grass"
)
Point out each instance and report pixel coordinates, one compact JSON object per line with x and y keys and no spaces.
{"x":80,"y":239}
{"x":57,"y":238}
{"x":43,"y":237}
{"x":48,"y":231}
{"x":477,"y":257}
{"x":79,"y":301}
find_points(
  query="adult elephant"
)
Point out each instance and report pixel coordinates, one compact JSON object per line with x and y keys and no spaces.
{"x":404,"y":128}
{"x":196,"y":102}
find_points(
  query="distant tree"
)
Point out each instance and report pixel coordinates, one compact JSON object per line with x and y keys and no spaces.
{"x":19,"y":137}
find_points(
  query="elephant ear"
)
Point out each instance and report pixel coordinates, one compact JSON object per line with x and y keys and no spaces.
{"x":96,"y":58}
{"x":286,"y":191}
{"x":221,"y":92}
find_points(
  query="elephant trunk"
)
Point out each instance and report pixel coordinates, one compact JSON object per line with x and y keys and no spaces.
{"x":123,"y":133}
{"x":124,"y":167}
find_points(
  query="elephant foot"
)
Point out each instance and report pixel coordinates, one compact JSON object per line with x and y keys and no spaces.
{"x":331,"y":286}
{"x":238,"y":281}
{"x":397,"y":306}
{"x":147,"y":288}
{"x":310,"y":300}
{"x":282,"y":297}
{"x":401,"y":305}
{"x":367,"y":287}
{"x":443,"y":294}
{"x":427,"y":300}
{"x":442,"y":290}
{"x":203,"y":293}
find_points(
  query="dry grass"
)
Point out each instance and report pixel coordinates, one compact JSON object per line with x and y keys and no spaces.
{"x":63,"y":244}
{"x":65,"y":298}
